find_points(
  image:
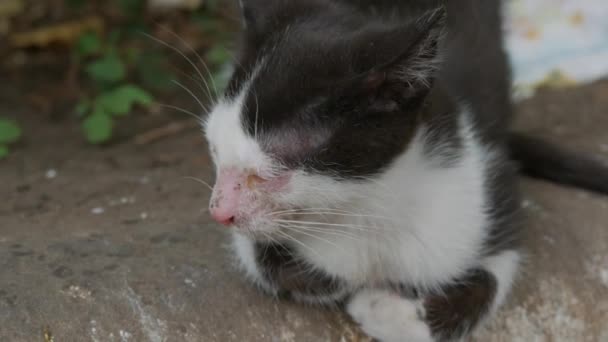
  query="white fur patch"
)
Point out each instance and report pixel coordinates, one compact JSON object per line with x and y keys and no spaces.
{"x":504,"y":267}
{"x":388,"y":317}
{"x":418,"y":223}
{"x":230,"y":146}
{"x":244,"y":250}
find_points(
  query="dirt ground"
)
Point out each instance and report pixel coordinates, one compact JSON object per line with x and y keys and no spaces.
{"x":114,"y":244}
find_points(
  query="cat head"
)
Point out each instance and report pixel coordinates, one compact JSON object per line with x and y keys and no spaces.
{"x":322,"y":100}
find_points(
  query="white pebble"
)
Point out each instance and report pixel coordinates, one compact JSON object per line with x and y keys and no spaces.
{"x":125,"y":335}
{"x":98,"y":211}
{"x":50,"y":174}
{"x":143,"y":215}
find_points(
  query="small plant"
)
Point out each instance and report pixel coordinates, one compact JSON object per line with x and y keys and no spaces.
{"x":9,"y":133}
{"x":121,"y":73}
{"x":115,"y":96}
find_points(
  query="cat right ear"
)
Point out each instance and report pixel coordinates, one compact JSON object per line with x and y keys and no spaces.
{"x":246,"y":13}
{"x":409,"y":69}
{"x":252,"y":12}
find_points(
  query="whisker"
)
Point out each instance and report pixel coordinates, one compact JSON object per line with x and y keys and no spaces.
{"x":318,"y":238}
{"x":291,"y":238}
{"x":335,"y":214}
{"x":198,"y":180}
{"x":311,"y":211}
{"x":198,"y":81}
{"x":199,"y":57}
{"x":354,"y":226}
{"x":191,"y":94}
{"x":257,"y":111}
{"x":188,"y":59}
{"x":324,"y":231}
{"x":180,"y":110}
{"x":272,"y":239}
{"x":305,"y":209}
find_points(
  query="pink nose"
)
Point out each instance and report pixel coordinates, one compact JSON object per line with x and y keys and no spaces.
{"x":226,"y":197}
{"x":225,"y":220}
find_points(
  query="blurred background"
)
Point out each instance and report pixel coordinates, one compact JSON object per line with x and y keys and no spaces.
{"x":100,"y":63}
{"x":104,"y":234}
{"x":104,"y":64}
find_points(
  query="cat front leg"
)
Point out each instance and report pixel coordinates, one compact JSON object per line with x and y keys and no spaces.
{"x":450,"y":313}
{"x":278,"y":271}
{"x":389,"y":317}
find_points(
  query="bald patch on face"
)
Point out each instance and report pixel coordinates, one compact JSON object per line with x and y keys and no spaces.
{"x":291,"y":145}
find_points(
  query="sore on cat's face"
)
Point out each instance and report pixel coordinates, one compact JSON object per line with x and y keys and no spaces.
{"x":316,"y":107}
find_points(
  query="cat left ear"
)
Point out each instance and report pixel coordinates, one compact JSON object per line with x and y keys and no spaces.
{"x":253,"y":13}
{"x":412,"y":69}
{"x":247,"y":14}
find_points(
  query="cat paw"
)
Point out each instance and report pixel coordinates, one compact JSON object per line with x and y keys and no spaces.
{"x":388,"y":317}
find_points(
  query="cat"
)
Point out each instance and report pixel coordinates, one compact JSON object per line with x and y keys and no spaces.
{"x":364,"y":161}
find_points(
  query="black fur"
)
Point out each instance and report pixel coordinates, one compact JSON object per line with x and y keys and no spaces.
{"x":540,"y":159}
{"x":328,"y":67}
{"x":456,"y":310}
{"x":294,"y":278}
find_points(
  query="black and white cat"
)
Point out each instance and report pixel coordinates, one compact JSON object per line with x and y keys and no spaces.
{"x":362,"y":160}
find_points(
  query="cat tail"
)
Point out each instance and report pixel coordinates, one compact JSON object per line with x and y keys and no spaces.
{"x":540,"y":159}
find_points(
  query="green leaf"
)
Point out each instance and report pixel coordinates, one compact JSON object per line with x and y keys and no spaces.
{"x":9,"y":131}
{"x":135,"y":94}
{"x":120,"y":100}
{"x":97,"y":127}
{"x":217,"y":56}
{"x":3,"y":151}
{"x":107,"y":69}
{"x":88,"y":44}
{"x":113,"y":104}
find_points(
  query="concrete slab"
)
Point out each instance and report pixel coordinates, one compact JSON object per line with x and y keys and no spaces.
{"x":114,"y":244}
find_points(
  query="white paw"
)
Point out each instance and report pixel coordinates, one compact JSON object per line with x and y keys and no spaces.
{"x":388,"y":317}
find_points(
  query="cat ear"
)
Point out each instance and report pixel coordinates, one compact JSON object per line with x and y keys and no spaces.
{"x":253,"y":13}
{"x":247,"y":13}
{"x":404,"y":57}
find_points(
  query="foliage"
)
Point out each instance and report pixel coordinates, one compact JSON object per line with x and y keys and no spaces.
{"x":123,"y":75}
{"x":120,"y":73}
{"x":107,"y":67}
{"x":9,"y":133}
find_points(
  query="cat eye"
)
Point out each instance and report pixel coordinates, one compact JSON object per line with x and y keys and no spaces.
{"x":253,"y":180}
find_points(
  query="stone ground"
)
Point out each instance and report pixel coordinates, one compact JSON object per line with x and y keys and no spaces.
{"x":113,"y":244}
